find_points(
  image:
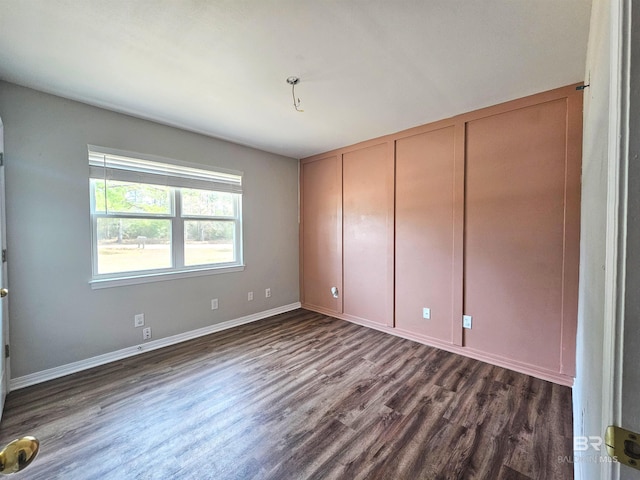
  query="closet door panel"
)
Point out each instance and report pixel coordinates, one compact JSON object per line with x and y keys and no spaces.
{"x":424,"y":234}
{"x":368,"y":233}
{"x":321,"y":233}
{"x":514,"y":233}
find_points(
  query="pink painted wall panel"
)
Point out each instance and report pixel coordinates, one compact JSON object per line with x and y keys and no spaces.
{"x":514,"y":233}
{"x":424,"y":233}
{"x":487,"y":224}
{"x":321,"y":233}
{"x":368,"y":233}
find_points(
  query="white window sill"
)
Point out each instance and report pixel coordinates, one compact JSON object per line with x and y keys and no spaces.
{"x":160,"y":277}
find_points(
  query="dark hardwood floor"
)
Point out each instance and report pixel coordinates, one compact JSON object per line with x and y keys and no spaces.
{"x":297,"y":396}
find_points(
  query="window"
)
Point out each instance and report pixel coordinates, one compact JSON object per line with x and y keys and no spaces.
{"x":155,"y":219}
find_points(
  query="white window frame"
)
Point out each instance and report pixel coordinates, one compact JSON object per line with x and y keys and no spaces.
{"x":111,"y":164}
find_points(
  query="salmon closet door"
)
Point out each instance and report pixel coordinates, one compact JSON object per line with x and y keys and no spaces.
{"x":368,"y":234}
{"x":321,"y":234}
{"x":520,"y":271}
{"x":424,"y":234}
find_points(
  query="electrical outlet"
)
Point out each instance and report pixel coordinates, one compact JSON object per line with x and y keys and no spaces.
{"x":214,"y":304}
{"x":426,"y":313}
{"x":250,"y":296}
{"x":138,"y":320}
{"x":267,"y":292}
{"x":466,"y":321}
{"x":146,"y":333}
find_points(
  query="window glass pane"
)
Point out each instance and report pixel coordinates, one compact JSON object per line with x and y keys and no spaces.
{"x":126,"y":197}
{"x":207,"y":203}
{"x":127,"y":244}
{"x":207,"y":241}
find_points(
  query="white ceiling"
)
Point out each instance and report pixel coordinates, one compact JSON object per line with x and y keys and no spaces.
{"x":367,"y":68}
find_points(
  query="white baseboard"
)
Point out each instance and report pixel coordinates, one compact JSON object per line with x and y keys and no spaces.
{"x":61,"y":371}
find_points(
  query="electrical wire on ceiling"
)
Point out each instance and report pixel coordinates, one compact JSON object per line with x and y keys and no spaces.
{"x":293,"y":81}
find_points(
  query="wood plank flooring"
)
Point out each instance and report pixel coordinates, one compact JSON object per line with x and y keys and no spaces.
{"x":296,"y":396}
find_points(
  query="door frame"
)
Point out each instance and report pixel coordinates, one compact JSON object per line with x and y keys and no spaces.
{"x":3,"y":264}
{"x":616,"y":224}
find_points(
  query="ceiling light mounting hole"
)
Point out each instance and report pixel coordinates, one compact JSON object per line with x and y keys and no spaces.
{"x":293,"y":81}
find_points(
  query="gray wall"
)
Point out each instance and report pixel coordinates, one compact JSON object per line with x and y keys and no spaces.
{"x":587,"y":398}
{"x":56,"y":318}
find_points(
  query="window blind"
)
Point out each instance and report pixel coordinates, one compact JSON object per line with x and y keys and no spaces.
{"x":106,"y":164}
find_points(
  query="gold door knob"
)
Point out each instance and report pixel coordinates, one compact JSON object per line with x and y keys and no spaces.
{"x":18,"y":455}
{"x":3,"y":292}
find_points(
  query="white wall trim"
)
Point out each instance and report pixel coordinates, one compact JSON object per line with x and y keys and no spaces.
{"x":615,"y":256}
{"x":63,"y":370}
